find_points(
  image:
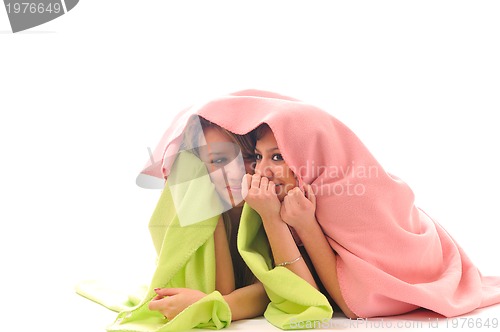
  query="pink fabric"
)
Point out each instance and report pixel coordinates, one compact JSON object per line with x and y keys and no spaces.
{"x":392,"y":256}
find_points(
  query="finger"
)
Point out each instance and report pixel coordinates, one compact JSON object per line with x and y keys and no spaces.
{"x":283,"y":210}
{"x":310,"y":194}
{"x":168,"y":291}
{"x":271,"y":187}
{"x":246,"y":181}
{"x":294,"y":193}
{"x":156,"y":305}
{"x":287,"y":202}
{"x":245,"y":185}
{"x":255,"y":181}
{"x":297,"y":196}
{"x":264,"y":182}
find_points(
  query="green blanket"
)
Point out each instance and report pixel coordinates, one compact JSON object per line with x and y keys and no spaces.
{"x":294,"y":302}
{"x":186,"y":258}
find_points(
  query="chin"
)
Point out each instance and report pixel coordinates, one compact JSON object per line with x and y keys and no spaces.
{"x":238,"y":201}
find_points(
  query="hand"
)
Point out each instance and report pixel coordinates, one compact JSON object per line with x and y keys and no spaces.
{"x":171,"y":301}
{"x":260,"y":194}
{"x":297,"y":209}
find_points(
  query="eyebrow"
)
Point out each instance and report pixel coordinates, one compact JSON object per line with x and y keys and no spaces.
{"x":268,"y":150}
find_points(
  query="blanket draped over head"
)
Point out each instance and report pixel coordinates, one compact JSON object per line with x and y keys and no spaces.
{"x":392,"y":257}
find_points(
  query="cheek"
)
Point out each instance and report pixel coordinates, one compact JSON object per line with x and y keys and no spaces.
{"x":218,"y":180}
{"x":286,"y":175}
{"x":236,"y":169}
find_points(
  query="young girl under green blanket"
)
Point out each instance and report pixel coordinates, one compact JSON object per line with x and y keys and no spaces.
{"x":244,"y":294}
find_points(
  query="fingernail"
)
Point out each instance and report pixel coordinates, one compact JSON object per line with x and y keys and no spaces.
{"x":157,"y":289}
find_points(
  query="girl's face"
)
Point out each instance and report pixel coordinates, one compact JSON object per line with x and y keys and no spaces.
{"x":220,"y":155}
{"x":270,"y":163}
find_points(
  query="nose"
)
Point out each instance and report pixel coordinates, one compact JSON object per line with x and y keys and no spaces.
{"x":263,"y":168}
{"x":235,"y":170}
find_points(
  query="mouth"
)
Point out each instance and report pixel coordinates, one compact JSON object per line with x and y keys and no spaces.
{"x":279,"y":188}
{"x":234,"y":193}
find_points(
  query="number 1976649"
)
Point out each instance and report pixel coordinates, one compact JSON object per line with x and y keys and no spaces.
{"x":33,"y":8}
{"x":475,"y":323}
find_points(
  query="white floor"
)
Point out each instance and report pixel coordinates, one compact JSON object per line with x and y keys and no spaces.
{"x":92,"y":317}
{"x":82,"y":314}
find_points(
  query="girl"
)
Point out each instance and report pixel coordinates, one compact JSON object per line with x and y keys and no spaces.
{"x":365,"y":243}
{"x":219,"y":150}
{"x":366,"y":246}
{"x":274,"y":193}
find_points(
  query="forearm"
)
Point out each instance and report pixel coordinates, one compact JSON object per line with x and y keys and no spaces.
{"x":224,"y":274}
{"x":325,"y":263}
{"x":247,"y":302}
{"x":284,"y":248}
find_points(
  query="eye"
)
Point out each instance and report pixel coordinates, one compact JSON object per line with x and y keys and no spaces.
{"x":258,"y":156}
{"x":219,"y":161}
{"x":277,"y":157}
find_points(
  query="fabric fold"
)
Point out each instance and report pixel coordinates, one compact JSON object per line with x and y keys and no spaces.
{"x":391,"y":256}
{"x":294,"y":302}
{"x":186,"y":259}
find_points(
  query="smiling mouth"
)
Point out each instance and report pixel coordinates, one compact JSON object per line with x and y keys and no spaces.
{"x":280,"y":189}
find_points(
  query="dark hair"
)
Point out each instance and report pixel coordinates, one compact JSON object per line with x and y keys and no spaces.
{"x":243,"y":276}
{"x":260,"y":131}
{"x":192,"y":133}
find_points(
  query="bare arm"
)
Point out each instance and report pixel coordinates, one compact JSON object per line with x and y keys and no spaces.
{"x":285,"y":250}
{"x":298,"y":210}
{"x":247,"y":302}
{"x":324,"y":261}
{"x":224,"y":274}
{"x":261,"y":196}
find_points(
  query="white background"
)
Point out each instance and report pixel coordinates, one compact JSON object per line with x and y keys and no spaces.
{"x":84,"y":96}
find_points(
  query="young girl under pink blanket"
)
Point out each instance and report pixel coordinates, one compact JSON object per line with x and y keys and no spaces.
{"x":358,"y":237}
{"x":274,"y":193}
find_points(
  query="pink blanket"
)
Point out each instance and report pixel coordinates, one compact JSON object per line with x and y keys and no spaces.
{"x":392,"y":256}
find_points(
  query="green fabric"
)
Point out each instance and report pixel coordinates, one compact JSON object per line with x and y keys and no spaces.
{"x":109,"y":295}
{"x":294,"y":302}
{"x":186,"y":258}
